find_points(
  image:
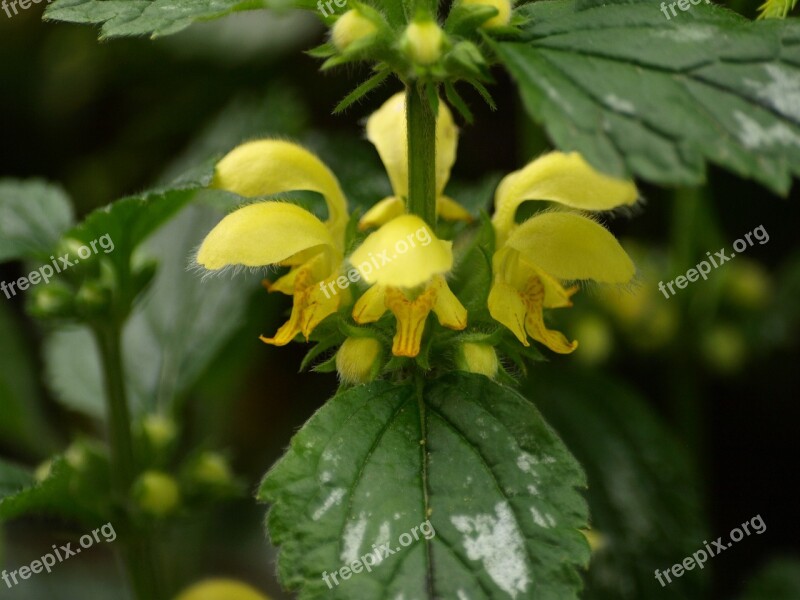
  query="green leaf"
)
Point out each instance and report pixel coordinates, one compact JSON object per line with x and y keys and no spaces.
{"x":362,"y":90}
{"x":22,"y":422}
{"x":779,"y":579}
{"x":641,"y":95}
{"x":643,"y":488}
{"x":172,"y":335}
{"x":474,"y":458}
{"x":33,"y":215}
{"x":77,"y":487}
{"x":13,"y":479}
{"x":584,"y":4}
{"x":157,"y":17}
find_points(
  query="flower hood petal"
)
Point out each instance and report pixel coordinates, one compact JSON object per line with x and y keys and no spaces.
{"x":267,"y":167}
{"x":558,"y":177}
{"x":387,"y":129}
{"x":262,"y":234}
{"x":404,"y":253}
{"x":569,"y":246}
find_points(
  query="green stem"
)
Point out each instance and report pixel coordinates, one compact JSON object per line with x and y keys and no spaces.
{"x":139,"y":548}
{"x":421,"y":155}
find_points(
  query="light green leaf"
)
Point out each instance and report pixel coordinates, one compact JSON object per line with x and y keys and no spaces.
{"x":474,"y":458}
{"x":638,"y":94}
{"x":155,"y":17}
{"x":643,"y":489}
{"x":172,"y":335}
{"x":33,"y":215}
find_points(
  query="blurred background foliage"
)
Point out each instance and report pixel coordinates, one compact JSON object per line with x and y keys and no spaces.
{"x":682,"y":410}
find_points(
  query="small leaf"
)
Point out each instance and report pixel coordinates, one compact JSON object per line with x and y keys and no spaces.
{"x":362,"y":90}
{"x":472,"y":459}
{"x":157,"y":17}
{"x":33,"y":215}
{"x":639,"y":94}
{"x":458,"y":102}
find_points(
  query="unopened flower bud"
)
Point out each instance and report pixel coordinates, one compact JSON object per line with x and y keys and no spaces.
{"x":52,"y":301}
{"x":159,"y":430}
{"x":93,"y":299}
{"x":423,"y":42}
{"x":157,"y":493}
{"x":221,"y":589}
{"x":359,"y":360}
{"x":351,"y":27}
{"x":477,"y":358}
{"x":503,"y":7}
{"x":213,"y":469}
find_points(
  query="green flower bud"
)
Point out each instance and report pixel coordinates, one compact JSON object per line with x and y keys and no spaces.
{"x":749,"y":285}
{"x":157,"y":493}
{"x":359,"y":360}
{"x":221,"y":589}
{"x":503,"y":7}
{"x":76,"y":456}
{"x":596,"y":340}
{"x":724,"y":348}
{"x":423,"y":42}
{"x":351,"y":27}
{"x":477,"y":358}
{"x":212,"y":469}
{"x":159,"y":430}
{"x":92,"y":299}
{"x":52,"y":301}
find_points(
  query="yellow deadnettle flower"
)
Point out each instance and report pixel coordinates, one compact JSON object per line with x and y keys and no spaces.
{"x":405,"y":264}
{"x":387,"y":129}
{"x":279,"y":233}
{"x":532,"y":259}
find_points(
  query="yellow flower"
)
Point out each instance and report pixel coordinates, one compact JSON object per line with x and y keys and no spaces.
{"x":387,"y":129}
{"x":279,"y":233}
{"x":405,"y":264}
{"x":534,"y":258}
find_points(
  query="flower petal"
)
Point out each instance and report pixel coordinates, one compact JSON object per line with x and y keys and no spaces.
{"x":534,"y":320}
{"x":564,"y":178}
{"x":262,"y":234}
{"x":450,"y":312}
{"x":312,"y":304}
{"x":411,"y":316}
{"x":387,"y":129}
{"x":450,"y":210}
{"x":569,"y":246}
{"x":267,"y":167}
{"x":382,"y":212}
{"x":506,"y":307}
{"x":371,"y":306}
{"x":403,"y":253}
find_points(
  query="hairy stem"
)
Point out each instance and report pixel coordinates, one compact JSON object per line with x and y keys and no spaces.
{"x":421,"y":155}
{"x":138,"y":543}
